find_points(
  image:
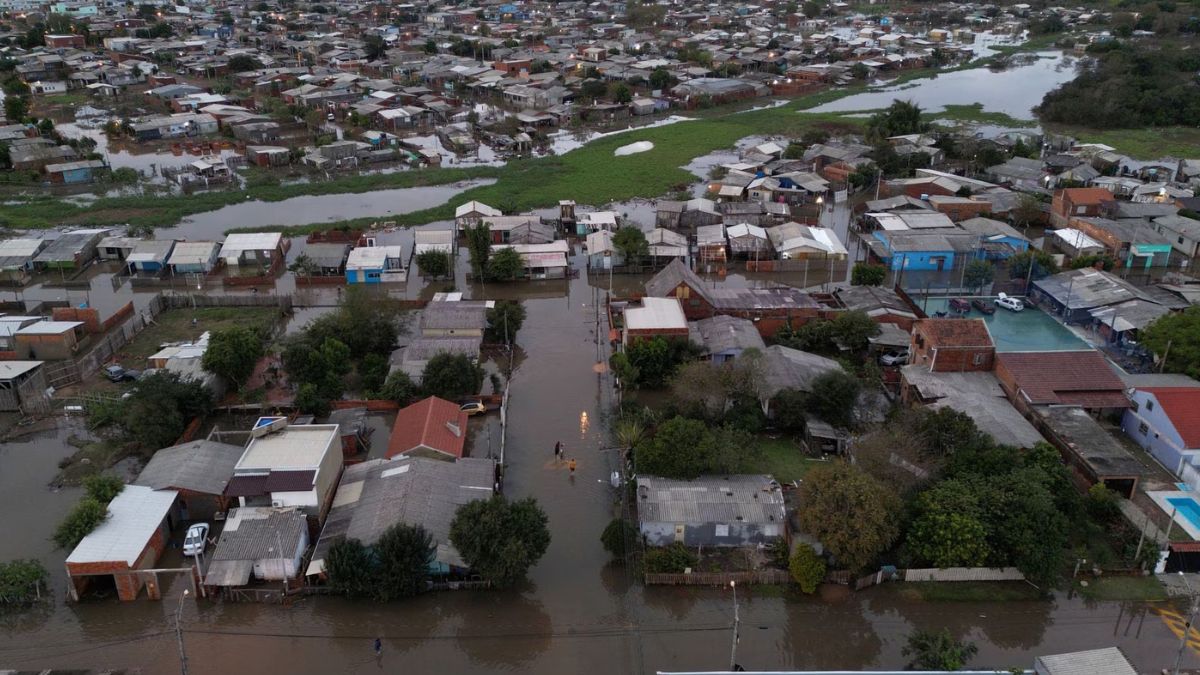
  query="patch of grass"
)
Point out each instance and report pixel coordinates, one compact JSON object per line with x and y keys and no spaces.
{"x":975,"y":113}
{"x":783,"y":459}
{"x":1143,"y":589}
{"x":176,"y":326}
{"x":1141,"y":143}
{"x":968,"y":591}
{"x":92,"y":458}
{"x":69,"y":98}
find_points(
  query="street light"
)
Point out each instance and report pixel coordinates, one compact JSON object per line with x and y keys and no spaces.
{"x":179,"y":632}
{"x":736,"y":623}
{"x":1187,"y":627}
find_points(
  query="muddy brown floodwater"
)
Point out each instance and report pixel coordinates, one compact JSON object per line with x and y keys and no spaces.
{"x":577,"y":613}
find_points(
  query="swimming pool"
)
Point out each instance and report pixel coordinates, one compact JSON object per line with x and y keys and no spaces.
{"x":1029,"y":331}
{"x":1186,"y":507}
{"x":1183,"y":506}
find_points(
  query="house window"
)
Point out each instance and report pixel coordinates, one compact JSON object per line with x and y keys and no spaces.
{"x":1080,"y":209}
{"x":1134,"y":406}
{"x":722,"y":531}
{"x":1143,"y":428}
{"x":1149,"y":405}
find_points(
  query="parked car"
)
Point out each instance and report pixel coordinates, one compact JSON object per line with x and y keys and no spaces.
{"x":473,"y":408}
{"x":959,"y":306}
{"x":196,"y":539}
{"x":1010,"y":303}
{"x":894,"y":357}
{"x":116,"y":373}
{"x":983,"y":306}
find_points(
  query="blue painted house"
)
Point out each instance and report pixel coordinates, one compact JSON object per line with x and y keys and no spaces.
{"x":998,"y":239}
{"x":924,"y":250}
{"x":75,"y":173}
{"x":376,"y":265}
{"x":1166,"y":422}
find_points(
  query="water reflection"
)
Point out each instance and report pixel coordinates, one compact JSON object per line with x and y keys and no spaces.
{"x":504,"y":630}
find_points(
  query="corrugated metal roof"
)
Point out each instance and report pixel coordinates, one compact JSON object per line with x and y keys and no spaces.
{"x":711,"y":499}
{"x":259,"y":533}
{"x":134,"y":516}
{"x":200,"y":466}
{"x":1105,"y":661}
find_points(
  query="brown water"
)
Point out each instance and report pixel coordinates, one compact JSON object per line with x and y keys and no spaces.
{"x":577,"y":613}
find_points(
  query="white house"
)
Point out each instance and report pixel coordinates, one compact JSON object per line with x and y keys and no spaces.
{"x":288,"y":466}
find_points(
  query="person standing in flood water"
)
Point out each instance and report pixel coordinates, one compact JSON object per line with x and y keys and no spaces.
{"x":571,"y":466}
{"x":558,"y":451}
{"x":378,"y":647}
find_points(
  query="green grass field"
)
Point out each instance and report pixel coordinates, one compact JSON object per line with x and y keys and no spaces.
{"x":1144,"y":589}
{"x":783,"y":459}
{"x":176,"y":326}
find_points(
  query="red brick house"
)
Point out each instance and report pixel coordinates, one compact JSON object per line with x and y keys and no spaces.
{"x":1078,"y":378}
{"x":769,"y":308}
{"x":1088,"y":202}
{"x":128,"y":542}
{"x":952,"y":345}
{"x":960,"y":208}
{"x":434,"y":428}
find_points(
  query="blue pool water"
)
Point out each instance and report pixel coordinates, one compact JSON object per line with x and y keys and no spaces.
{"x":1186,"y":507}
{"x":1029,"y":331}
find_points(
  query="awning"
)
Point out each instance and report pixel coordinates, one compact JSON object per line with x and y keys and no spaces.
{"x":228,"y":573}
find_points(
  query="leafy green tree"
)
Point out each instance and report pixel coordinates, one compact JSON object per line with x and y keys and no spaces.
{"x":657,"y":359}
{"x":929,"y":650}
{"x":434,"y":263}
{"x":242,"y":63}
{"x":232,"y":354}
{"x":868,"y":275}
{"x":159,"y":408}
{"x":505,"y":265}
{"x":431,"y":46}
{"x":479,"y":245}
{"x":16,"y":108}
{"x":661,"y":78}
{"x":351,"y":569}
{"x":948,"y":530}
{"x":1175,"y":340}
{"x":500,"y":540}
{"x":849,"y":512}
{"x":788,"y":409}
{"x":311,"y":401}
{"x":372,"y":372}
{"x":1105,"y":261}
{"x":20,"y":581}
{"x":85,"y":517}
{"x":617,"y":535}
{"x":451,"y":377}
{"x":1042,"y":262}
{"x":898,"y":119}
{"x":945,"y":431}
{"x":103,"y":487}
{"x":807,"y":568}
{"x":621,"y":93}
{"x":374,"y":47}
{"x":400,"y":388}
{"x":854,"y":330}
{"x":978,"y":274}
{"x":631,"y":242}
{"x":593,"y":89}
{"x":673,"y":558}
{"x":833,"y":398}
{"x":404,"y":553}
{"x":503,"y":321}
{"x":860,"y":71}
{"x":680,"y":448}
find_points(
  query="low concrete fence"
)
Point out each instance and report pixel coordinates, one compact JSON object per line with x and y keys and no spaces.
{"x":768,"y":576}
{"x":964,"y":574}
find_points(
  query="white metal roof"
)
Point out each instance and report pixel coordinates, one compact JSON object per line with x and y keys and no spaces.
{"x":12,"y":369}
{"x":1105,"y":661}
{"x":656,"y":313}
{"x":250,"y":241}
{"x":1077,"y":239}
{"x":49,"y":327}
{"x":19,"y":247}
{"x":370,"y":257}
{"x":193,"y":252}
{"x":295,"y":447}
{"x":476,"y":207}
{"x":133,"y":517}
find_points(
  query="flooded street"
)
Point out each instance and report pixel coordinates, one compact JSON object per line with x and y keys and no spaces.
{"x":577,"y":613}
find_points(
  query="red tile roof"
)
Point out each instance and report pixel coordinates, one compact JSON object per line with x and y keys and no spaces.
{"x":429,"y":424}
{"x":1083,"y":196}
{"x":1182,"y":406}
{"x":1081,"y":378}
{"x":956,"y":332}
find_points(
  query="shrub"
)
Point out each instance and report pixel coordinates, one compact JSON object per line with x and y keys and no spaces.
{"x":85,"y":517}
{"x":103,"y":488}
{"x":807,"y":568}
{"x":19,"y":581}
{"x":671,"y":559}
{"x":616,"y":535}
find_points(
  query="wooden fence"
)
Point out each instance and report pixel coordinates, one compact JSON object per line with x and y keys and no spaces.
{"x":174,"y":300}
{"x":767,"y":576}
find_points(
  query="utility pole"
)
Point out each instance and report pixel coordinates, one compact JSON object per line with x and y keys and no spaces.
{"x":737,"y":623}
{"x":179,"y":633}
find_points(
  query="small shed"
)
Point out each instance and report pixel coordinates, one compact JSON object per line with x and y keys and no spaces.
{"x":150,"y":257}
{"x":738,"y":510}
{"x":48,"y":340}
{"x":22,"y":386}
{"x":131,"y":539}
{"x":194,"y":257}
{"x":328,"y":259}
{"x":264,"y":542}
{"x":821,"y":436}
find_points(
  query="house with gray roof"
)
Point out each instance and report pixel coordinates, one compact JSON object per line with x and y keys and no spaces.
{"x":724,"y":338}
{"x":198,"y":470}
{"x":262,"y":542}
{"x":377,"y":494}
{"x":737,"y":510}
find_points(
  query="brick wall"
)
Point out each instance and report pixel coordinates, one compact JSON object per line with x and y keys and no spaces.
{"x":89,"y":317}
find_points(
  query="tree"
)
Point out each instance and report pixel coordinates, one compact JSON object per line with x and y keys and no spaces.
{"x":404,"y":552}
{"x":1103,"y":260}
{"x":661,"y":78}
{"x":372,"y":372}
{"x":860,"y":71}
{"x":242,"y":63}
{"x":593,"y":89}
{"x":500,"y":540}
{"x":617,"y":535}
{"x":788,"y":409}
{"x":451,"y":376}
{"x":15,"y":108}
{"x":854,"y":330}
{"x":832,"y":398}
{"x":812,"y":9}
{"x":807,"y":568}
{"x":631,"y":242}
{"x":400,"y":388}
{"x":351,"y":569}
{"x":505,"y":265}
{"x":621,"y":93}
{"x":434,"y":263}
{"x":850,"y":513}
{"x":374,"y":47}
{"x":901,"y":117}
{"x":159,"y":408}
{"x":85,"y":517}
{"x":674,"y":558}
{"x":311,"y":401}
{"x":928,"y":650}
{"x":232,"y":354}
{"x":868,"y":275}
{"x":948,"y":530}
{"x":1043,"y":264}
{"x":479,"y":245}
{"x":946,"y":431}
{"x":103,"y":487}
{"x":503,"y":321}
{"x":680,"y":448}
{"x":1175,"y":340}
{"x":978,"y":274}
